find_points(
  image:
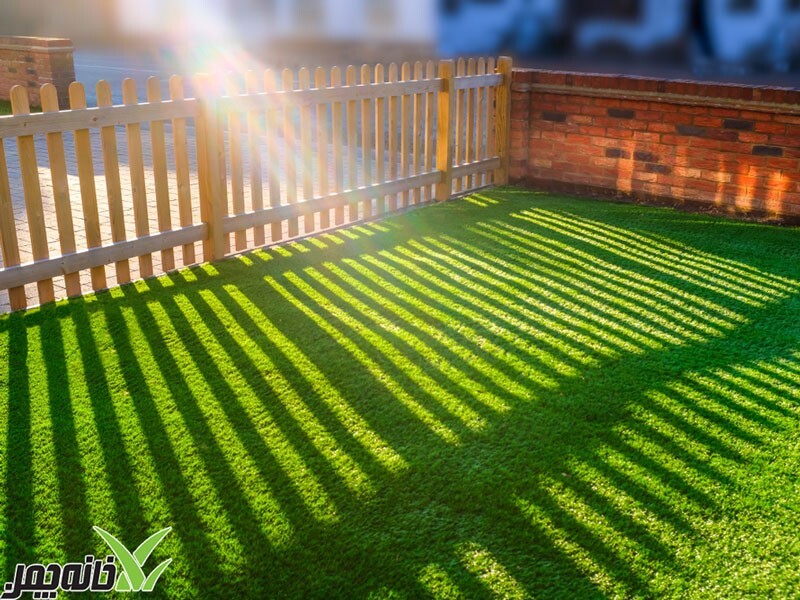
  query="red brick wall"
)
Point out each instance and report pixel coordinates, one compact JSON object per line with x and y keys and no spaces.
{"x":734,"y":147}
{"x":34,"y":61}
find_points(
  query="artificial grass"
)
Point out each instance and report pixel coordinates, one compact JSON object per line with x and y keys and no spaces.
{"x":511,"y":395}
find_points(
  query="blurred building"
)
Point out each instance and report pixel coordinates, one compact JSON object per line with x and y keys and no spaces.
{"x":326,"y":29}
{"x":744,"y":32}
{"x":761,"y":33}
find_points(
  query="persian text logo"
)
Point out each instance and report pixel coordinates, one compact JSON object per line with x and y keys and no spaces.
{"x":92,"y":575}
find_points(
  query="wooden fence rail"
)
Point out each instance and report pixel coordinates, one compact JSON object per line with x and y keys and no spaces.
{"x":171,"y":180}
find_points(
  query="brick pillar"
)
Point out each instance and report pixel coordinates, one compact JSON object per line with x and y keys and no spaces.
{"x":34,"y":61}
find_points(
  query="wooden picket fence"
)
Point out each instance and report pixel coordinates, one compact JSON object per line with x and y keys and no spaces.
{"x":248,"y":163}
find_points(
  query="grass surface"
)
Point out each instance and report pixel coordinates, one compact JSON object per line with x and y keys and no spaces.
{"x":510,"y":395}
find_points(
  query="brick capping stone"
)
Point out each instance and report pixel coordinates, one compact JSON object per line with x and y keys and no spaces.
{"x":735,"y":148}
{"x":34,"y":61}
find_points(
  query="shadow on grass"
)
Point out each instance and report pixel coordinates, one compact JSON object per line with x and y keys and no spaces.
{"x":513,"y":397}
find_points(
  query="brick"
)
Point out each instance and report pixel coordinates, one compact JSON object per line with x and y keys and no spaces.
{"x":739,"y":124}
{"x":770,"y":127}
{"x":705,"y":121}
{"x":555,"y":117}
{"x":620,"y":134}
{"x":655,"y":168}
{"x":643,"y":156}
{"x":621,"y":113}
{"x":660,"y":127}
{"x":617,"y":153}
{"x":753,"y":138}
{"x":767,"y":151}
{"x":649,"y":138}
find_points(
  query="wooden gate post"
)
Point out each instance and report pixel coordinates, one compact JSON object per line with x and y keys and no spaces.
{"x":445,"y":134}
{"x":502,"y":121}
{"x":213,"y":191}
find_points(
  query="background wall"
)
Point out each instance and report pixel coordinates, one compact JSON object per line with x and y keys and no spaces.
{"x":732,"y":147}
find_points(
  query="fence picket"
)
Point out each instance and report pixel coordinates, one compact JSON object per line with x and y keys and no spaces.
{"x":430,"y":141}
{"x":254,"y":157}
{"x":304,"y":80}
{"x":9,"y":244}
{"x":159,"y":154}
{"x":480,"y":128}
{"x":338,"y":151}
{"x":235,"y":157}
{"x":182,"y":176}
{"x":141,"y":217}
{"x":322,"y":147}
{"x":366,"y":140}
{"x":290,"y":149}
{"x":393,"y":107}
{"x":272,"y":119}
{"x":460,"y":124}
{"x":380,"y":139}
{"x":29,"y":168}
{"x":469,"y":130}
{"x":490,"y":120}
{"x":417,"y":133}
{"x":352,"y":143}
{"x":116,"y":214}
{"x":405,"y":131}
{"x":61,"y":197}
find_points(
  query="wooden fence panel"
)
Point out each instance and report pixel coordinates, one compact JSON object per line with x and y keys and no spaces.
{"x":411,"y":135}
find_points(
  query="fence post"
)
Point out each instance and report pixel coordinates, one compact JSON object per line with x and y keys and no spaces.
{"x":502,"y":111}
{"x":213,"y":192}
{"x":445,"y":135}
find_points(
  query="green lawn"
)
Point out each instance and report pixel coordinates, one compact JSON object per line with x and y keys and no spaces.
{"x":5,"y":107}
{"x":512,"y":395}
